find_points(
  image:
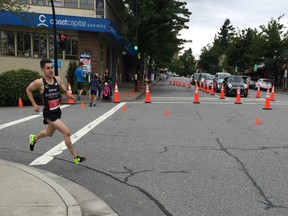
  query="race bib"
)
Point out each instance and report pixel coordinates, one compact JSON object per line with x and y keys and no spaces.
{"x":54,"y":104}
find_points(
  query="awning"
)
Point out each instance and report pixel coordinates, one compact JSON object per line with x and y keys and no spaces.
{"x":65,"y":22}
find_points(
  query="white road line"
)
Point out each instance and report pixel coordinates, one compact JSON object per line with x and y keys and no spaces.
{"x":58,"y":149}
{"x":25,"y":119}
{"x":222,"y":102}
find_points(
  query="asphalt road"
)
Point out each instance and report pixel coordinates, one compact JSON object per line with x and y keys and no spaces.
{"x":169,"y":157}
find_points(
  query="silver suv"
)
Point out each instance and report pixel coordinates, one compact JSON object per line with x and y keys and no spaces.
{"x":219,"y":77}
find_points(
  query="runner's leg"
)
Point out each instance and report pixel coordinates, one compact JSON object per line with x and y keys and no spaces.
{"x":62,"y":128}
{"x":49,"y":131}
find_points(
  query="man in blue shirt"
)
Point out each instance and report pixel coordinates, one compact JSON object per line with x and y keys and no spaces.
{"x":79,"y":74}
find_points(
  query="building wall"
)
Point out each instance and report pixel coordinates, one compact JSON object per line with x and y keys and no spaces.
{"x":89,"y":41}
{"x":63,"y":11}
{"x":100,"y":49}
{"x":14,"y":63}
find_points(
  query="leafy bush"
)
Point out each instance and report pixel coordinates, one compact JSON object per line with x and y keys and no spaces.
{"x":13,"y":85}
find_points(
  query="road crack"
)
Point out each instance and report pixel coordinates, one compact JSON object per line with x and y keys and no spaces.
{"x":267,"y":202}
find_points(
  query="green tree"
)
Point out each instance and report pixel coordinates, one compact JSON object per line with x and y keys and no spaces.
{"x":9,"y":5}
{"x":213,"y":57}
{"x":157,"y":24}
{"x":226,"y":34}
{"x":239,"y":52}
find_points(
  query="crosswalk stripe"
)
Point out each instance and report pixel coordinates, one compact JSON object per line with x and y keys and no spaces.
{"x":25,"y":119}
{"x":58,"y":149}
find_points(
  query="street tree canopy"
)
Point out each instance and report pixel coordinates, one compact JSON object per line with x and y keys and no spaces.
{"x":156,"y":24}
{"x":9,"y":5}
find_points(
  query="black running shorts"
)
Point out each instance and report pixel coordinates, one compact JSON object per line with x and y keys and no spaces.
{"x":80,"y":85}
{"x":51,"y":115}
{"x":92,"y":92}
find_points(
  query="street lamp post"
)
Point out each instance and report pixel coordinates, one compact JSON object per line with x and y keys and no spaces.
{"x":55,"y":40}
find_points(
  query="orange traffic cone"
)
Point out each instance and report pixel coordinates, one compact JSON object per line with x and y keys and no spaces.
{"x":124,"y":108}
{"x":70,"y":99}
{"x":272,"y":94}
{"x":267,"y":102}
{"x":167,"y":112}
{"x":116,"y":94}
{"x":238,"y":96}
{"x":258,"y":92}
{"x":147,"y":97}
{"x":20,"y":104}
{"x":196,"y":95}
{"x":204,"y":87}
{"x":82,"y":105}
{"x":258,"y":122}
{"x":222,"y":92}
{"x":207,"y":88}
{"x":212,"y":90}
{"x":189,"y":85}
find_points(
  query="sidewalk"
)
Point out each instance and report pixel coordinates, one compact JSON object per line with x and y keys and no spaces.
{"x":27,"y":191}
{"x":126,"y":93}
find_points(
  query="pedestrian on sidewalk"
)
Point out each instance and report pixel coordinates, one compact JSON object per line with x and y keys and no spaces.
{"x":108,"y":79}
{"x":93,"y":84}
{"x":50,"y":86}
{"x":79,"y":74}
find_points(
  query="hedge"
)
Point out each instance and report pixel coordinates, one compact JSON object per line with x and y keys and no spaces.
{"x":13,"y":85}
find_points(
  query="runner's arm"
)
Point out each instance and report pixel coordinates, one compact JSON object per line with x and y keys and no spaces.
{"x":63,"y":88}
{"x":36,"y":84}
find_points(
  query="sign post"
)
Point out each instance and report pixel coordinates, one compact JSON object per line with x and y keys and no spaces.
{"x":85,"y":57}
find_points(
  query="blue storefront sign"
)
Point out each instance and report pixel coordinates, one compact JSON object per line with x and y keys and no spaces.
{"x":63,"y":22}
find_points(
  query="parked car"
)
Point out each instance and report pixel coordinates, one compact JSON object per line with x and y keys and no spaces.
{"x":246,"y":79}
{"x":252,"y":82}
{"x":194,"y":78}
{"x":231,"y":84}
{"x":201,"y":78}
{"x":219,"y":76}
{"x":264,"y":84}
{"x":209,"y":80}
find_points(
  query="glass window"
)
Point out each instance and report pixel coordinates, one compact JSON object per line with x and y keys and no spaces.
{"x":87,"y":4}
{"x":7,"y":46}
{"x":39,"y":46}
{"x":22,"y":1}
{"x":24,"y":44}
{"x":71,"y":3}
{"x":57,"y":3}
{"x":51,"y":46}
{"x":71,"y":48}
{"x":39,"y":2}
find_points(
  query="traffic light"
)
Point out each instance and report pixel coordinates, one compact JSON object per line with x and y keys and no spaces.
{"x":63,"y":39}
{"x":136,"y":44}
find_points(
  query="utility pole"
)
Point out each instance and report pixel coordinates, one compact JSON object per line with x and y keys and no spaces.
{"x":55,"y":40}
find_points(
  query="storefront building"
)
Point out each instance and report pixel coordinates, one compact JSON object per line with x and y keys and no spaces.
{"x":92,"y":28}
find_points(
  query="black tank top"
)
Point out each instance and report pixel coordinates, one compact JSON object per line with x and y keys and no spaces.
{"x":51,"y":96}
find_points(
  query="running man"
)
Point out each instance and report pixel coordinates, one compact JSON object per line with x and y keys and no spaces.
{"x":49,"y":86}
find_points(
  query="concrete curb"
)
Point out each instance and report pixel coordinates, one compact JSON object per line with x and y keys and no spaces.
{"x":73,"y":208}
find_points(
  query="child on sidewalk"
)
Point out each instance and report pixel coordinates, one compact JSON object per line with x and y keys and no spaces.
{"x":94,"y":84}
